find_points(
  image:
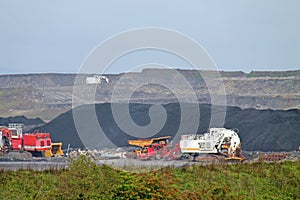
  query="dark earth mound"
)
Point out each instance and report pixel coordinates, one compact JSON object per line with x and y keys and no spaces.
{"x":20,"y":119}
{"x":27,"y":122}
{"x":265,"y":130}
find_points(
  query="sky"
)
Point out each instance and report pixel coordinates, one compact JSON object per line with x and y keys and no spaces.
{"x":55,"y":36}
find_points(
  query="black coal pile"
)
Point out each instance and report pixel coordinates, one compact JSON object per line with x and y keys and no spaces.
{"x":27,"y":122}
{"x":264,"y":130}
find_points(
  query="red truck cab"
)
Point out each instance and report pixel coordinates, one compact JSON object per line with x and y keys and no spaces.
{"x":37,"y":141}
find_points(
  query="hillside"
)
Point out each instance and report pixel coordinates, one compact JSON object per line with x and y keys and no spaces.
{"x":265,"y":130}
{"x":48,"y":95}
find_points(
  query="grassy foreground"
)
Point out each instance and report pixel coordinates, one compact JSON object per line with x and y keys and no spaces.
{"x":85,"y":180}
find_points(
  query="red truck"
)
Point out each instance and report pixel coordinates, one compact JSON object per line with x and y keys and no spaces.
{"x":12,"y":138}
{"x":155,"y":148}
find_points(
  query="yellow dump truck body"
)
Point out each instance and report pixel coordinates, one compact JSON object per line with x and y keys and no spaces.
{"x":147,"y":142}
{"x":56,"y":150}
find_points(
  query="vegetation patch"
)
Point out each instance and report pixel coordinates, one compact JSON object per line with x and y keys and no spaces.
{"x":85,"y":180}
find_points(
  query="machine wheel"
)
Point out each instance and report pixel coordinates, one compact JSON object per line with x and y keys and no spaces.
{"x":192,"y":158}
{"x":38,"y":153}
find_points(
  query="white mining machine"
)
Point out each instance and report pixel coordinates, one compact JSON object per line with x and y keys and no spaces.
{"x":218,"y":143}
{"x":96,"y":79}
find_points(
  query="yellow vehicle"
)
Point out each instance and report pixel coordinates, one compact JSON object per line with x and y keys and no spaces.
{"x":147,"y":142}
{"x":56,"y":150}
{"x":149,"y":148}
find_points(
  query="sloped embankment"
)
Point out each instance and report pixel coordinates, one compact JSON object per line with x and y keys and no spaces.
{"x":266,"y":130}
{"x":27,"y":122}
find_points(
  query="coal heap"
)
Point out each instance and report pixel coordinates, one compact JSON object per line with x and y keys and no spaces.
{"x":265,"y":130}
{"x":20,"y":119}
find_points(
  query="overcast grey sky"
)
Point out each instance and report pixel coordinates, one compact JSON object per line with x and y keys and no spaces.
{"x":57,"y":35}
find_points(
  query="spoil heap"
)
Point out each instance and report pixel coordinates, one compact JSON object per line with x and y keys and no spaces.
{"x":265,"y":130}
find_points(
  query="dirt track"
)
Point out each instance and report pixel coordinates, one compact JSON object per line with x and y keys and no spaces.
{"x":31,"y":165}
{"x":126,"y":164}
{"x":57,"y":163}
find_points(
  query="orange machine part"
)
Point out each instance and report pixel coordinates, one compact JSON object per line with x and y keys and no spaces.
{"x":148,"y":142}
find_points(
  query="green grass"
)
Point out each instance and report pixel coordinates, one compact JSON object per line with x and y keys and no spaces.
{"x":86,"y":180}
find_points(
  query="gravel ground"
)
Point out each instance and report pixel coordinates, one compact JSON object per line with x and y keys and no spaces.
{"x":57,"y":163}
